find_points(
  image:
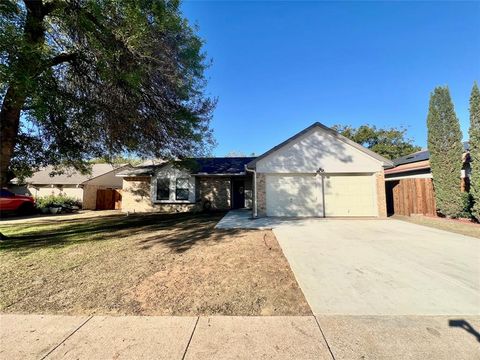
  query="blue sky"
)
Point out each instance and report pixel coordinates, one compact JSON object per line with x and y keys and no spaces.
{"x":280,"y":66}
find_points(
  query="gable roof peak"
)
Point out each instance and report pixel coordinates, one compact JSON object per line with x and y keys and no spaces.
{"x":385,"y":162}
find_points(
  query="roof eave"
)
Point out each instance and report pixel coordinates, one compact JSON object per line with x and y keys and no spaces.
{"x":224,"y":174}
{"x":401,"y":171}
{"x":133,"y":175}
{"x":108,"y":172}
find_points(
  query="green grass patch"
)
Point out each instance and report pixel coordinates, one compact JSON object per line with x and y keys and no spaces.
{"x":33,"y":235}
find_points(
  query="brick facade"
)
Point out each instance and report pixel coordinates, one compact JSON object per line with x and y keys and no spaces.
{"x":217,"y":191}
{"x":261,"y":195}
{"x":136,"y":196}
{"x":90,"y":197}
{"x":381,"y":195}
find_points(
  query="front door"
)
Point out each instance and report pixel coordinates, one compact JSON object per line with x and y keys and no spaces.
{"x":238,"y":194}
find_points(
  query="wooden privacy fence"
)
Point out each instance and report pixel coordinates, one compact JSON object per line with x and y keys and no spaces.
{"x":411,"y":196}
{"x":108,"y":199}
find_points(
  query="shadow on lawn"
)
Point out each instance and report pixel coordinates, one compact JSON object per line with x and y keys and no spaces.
{"x":183,"y":230}
{"x":186,"y":237}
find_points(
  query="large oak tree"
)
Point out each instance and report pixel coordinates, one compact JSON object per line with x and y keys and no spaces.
{"x":388,"y":142}
{"x":81,"y":79}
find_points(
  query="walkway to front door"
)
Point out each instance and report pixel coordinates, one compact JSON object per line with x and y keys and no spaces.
{"x":242,"y":219}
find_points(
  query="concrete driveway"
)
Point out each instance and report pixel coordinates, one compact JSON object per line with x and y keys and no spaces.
{"x":382,"y":267}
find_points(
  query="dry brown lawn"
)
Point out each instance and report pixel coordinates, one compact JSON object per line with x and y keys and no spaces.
{"x":144,"y":265}
{"x":455,"y":226}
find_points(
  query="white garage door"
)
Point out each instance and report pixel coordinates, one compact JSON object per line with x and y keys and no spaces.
{"x":294,"y":195}
{"x":349,"y":195}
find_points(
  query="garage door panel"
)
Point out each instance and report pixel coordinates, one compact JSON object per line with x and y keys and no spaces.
{"x":350,"y":195}
{"x":294,"y":195}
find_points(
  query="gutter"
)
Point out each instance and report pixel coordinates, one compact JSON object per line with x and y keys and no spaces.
{"x":255,"y":212}
{"x":221,"y":174}
{"x":133,"y":175}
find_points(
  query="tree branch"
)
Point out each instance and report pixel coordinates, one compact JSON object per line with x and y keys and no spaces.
{"x":48,"y":7}
{"x":61,"y":58}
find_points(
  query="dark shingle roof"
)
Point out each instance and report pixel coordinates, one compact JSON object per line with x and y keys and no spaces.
{"x":221,"y":165}
{"x":420,"y":156}
{"x":199,"y":166}
{"x":416,"y":156}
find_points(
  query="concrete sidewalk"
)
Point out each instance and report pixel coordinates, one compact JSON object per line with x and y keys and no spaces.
{"x":227,"y":337}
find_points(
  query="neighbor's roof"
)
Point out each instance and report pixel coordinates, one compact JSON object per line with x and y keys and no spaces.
{"x":385,"y":162}
{"x":419,"y":165}
{"x":141,"y":170}
{"x":199,"y":166}
{"x":69,"y":177}
{"x":150,"y":162}
{"x":420,"y":156}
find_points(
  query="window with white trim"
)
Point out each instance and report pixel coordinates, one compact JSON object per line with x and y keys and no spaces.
{"x":181,"y":189}
{"x":163,"y":189}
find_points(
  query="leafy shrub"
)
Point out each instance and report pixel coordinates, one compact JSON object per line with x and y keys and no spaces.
{"x":467,"y":205}
{"x":57,"y":201}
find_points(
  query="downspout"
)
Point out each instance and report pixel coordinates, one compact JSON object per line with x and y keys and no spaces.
{"x":255,"y":214}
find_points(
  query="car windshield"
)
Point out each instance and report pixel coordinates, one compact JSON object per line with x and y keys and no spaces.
{"x":6,"y":193}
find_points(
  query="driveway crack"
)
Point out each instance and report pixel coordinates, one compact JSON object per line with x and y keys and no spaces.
{"x":190,"y":340}
{"x":324,"y":338}
{"x":68,"y":337}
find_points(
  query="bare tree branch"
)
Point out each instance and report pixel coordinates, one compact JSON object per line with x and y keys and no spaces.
{"x":61,"y":58}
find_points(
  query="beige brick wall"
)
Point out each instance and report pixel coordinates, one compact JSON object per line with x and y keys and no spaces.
{"x":217,"y":191}
{"x":90,"y":197}
{"x":261,"y":195}
{"x":136,"y":197}
{"x":381,"y":196}
{"x":174,"y":208}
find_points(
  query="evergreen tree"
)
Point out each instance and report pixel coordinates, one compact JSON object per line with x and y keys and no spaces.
{"x":445,"y":146}
{"x":474,"y":134}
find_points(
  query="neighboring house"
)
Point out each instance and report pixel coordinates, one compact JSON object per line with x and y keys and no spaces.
{"x":71,"y":183}
{"x":317,"y":172}
{"x":409,"y":183}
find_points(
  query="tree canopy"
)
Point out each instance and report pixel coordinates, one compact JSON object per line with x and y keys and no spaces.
{"x":83,"y":79}
{"x":446,"y":149}
{"x":390,"y":143}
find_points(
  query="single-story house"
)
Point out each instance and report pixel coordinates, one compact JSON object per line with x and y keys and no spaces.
{"x":317,"y":173}
{"x":409,"y":183}
{"x":71,"y":183}
{"x":190,"y":185}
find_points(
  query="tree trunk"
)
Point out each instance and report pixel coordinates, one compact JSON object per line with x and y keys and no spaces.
{"x":34,"y":34}
{"x":9,"y":124}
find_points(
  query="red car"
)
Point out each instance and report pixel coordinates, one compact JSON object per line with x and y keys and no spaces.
{"x":19,"y":203}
